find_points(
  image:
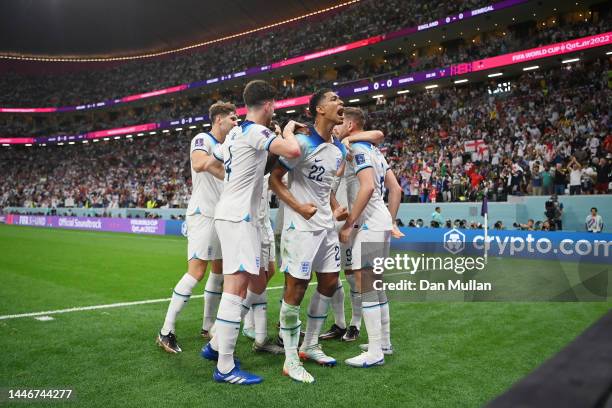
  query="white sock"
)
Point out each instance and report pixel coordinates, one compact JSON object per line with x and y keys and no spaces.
{"x":290,"y":329}
{"x":180,"y":296}
{"x":212,"y":297}
{"x":249,"y":320}
{"x":337,"y":305}
{"x":371,"y":318}
{"x":227,"y":327}
{"x":317,"y":313}
{"x":355,"y":302}
{"x":385,"y":319}
{"x":259,"y":313}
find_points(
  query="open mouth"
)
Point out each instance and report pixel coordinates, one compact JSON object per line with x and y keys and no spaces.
{"x":340,"y":112}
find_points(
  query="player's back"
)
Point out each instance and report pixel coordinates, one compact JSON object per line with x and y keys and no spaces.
{"x":206,"y":188}
{"x":310,"y":180}
{"x":244,"y":155}
{"x":376,"y":215}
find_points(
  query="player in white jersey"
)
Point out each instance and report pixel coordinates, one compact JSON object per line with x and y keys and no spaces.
{"x":202,"y":241}
{"x":368,"y":228}
{"x":339,"y":329}
{"x":309,"y":240}
{"x":244,"y":154}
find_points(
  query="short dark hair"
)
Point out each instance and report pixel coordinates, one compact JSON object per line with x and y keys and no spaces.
{"x":257,"y":92}
{"x":594,"y":208}
{"x":315,"y":99}
{"x":220,"y":108}
{"x":437,"y":208}
{"x":357,"y":115}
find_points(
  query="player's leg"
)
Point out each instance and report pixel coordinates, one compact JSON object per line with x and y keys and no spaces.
{"x":241,"y":246}
{"x":352,"y":332}
{"x":212,"y":296}
{"x":257,"y":297}
{"x":372,"y":318}
{"x":181,"y":293}
{"x":338,"y":329}
{"x":327,"y":264}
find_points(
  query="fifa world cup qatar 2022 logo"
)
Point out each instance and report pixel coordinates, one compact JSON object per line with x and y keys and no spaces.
{"x":454,"y":241}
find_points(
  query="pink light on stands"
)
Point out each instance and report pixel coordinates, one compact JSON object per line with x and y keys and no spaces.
{"x":330,"y":51}
{"x":543,"y":52}
{"x":16,"y":140}
{"x":121,"y":131}
{"x":158,"y":92}
{"x":27,"y":110}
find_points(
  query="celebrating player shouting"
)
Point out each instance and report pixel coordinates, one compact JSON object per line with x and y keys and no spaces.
{"x":244,"y":155}
{"x":202,"y":241}
{"x":309,"y":241}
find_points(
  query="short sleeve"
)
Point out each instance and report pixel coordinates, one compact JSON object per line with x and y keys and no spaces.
{"x":218,"y":152}
{"x":290,"y":164}
{"x":361,"y":158}
{"x":260,"y":137}
{"x":200,"y":142}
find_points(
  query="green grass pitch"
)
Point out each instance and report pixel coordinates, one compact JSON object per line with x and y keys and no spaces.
{"x":447,"y":354}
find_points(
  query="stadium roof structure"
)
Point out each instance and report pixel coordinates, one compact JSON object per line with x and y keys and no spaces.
{"x":105,"y":28}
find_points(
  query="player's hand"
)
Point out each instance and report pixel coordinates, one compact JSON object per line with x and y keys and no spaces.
{"x":307,"y":210}
{"x":341,"y":213}
{"x":292,"y":126}
{"x":347,"y":143}
{"x":345,"y":233}
{"x":396,"y":233}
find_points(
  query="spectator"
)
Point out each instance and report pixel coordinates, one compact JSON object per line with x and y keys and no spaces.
{"x":594,"y":222}
{"x":436,"y":218}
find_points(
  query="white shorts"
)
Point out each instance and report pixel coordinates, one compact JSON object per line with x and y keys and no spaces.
{"x":202,"y":240}
{"x":377,"y":245}
{"x":303,"y":252}
{"x":241,"y":244}
{"x":268,"y":246}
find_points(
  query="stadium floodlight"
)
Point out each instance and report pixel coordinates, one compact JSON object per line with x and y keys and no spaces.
{"x":377,"y":96}
{"x":291,"y":111}
{"x":140,"y":134}
{"x":178,"y":129}
{"x":154,"y":133}
{"x":85,"y":141}
{"x":569,"y":61}
{"x":96,"y":140}
{"x":70,"y":143}
{"x":29,"y":144}
{"x":531,"y":68}
{"x":5,"y":145}
{"x":165,"y":131}
{"x":128,"y":136}
{"x":60,"y":144}
{"x":190,"y":127}
{"x":431,"y":86}
{"x":461,"y":81}
{"x":609,"y":53}
{"x":206,"y":125}
{"x":354,"y":100}
{"x":495,"y":75}
{"x":117,"y":137}
{"x":106,"y":139}
{"x":44,"y":144}
{"x":403,"y":91}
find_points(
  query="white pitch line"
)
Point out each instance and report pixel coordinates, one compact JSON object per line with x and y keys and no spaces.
{"x":125,"y":304}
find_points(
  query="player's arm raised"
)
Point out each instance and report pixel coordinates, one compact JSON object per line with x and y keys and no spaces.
{"x":395,"y":196}
{"x":373,"y":136}
{"x":306,"y":210}
{"x":287,"y":146}
{"x":366,"y":189}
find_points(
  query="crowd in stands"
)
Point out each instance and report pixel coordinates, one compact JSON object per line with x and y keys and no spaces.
{"x":487,"y":44}
{"x":547,"y":132}
{"x":361,"y":20}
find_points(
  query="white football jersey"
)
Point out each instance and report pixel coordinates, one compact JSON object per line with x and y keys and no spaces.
{"x":263,"y":215}
{"x":375,"y":216}
{"x":244,"y":154}
{"x":205,"y":188}
{"x":310,"y":180}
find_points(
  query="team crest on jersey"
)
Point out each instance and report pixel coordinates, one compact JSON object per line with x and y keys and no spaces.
{"x":267,"y":132}
{"x":199,"y":142}
{"x":338,"y":162}
{"x":257,"y":262}
{"x":359,"y":159}
{"x":305,"y":267}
